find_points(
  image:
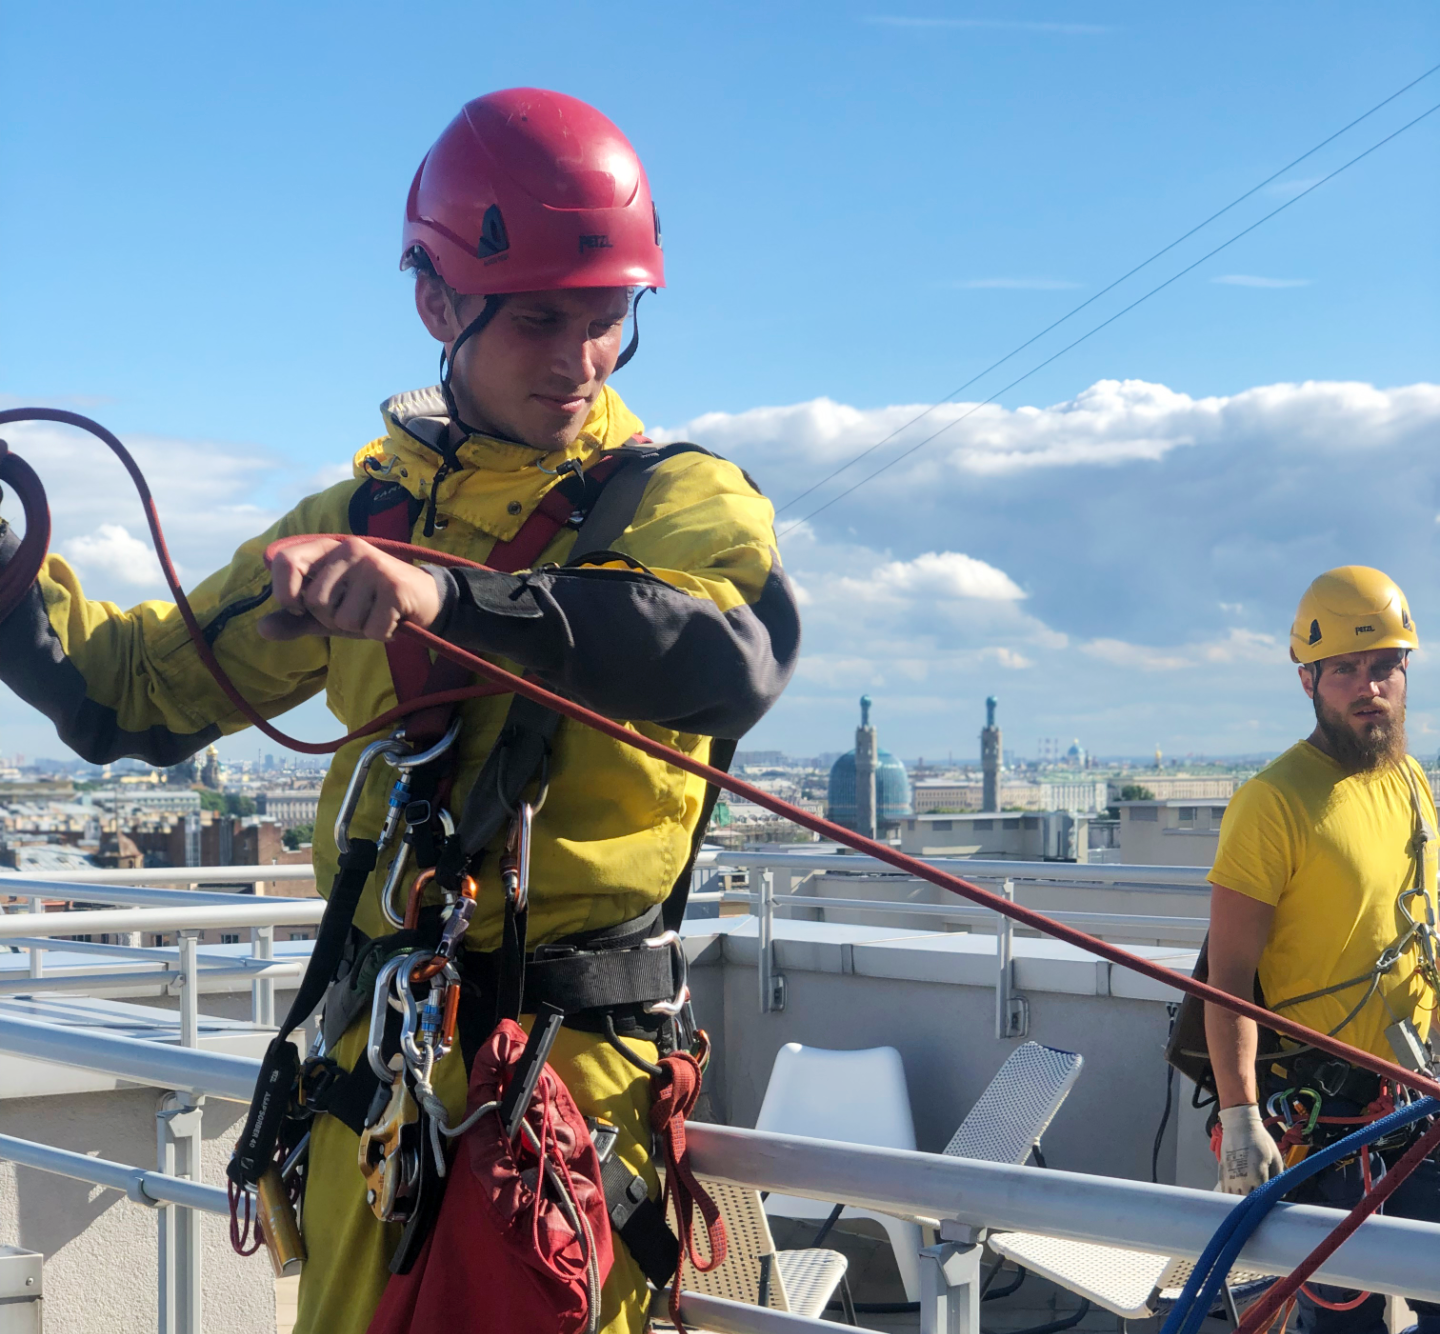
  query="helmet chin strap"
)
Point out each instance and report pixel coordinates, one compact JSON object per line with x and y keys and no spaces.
{"x":450,"y":461}
{"x":634,"y":344}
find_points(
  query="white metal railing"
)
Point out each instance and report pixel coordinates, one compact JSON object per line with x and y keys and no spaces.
{"x":155,"y":970}
{"x":1185,"y":884}
{"x":963,"y":1196}
{"x":1060,"y":873}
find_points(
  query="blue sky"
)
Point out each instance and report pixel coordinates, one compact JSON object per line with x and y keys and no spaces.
{"x":863,"y":204}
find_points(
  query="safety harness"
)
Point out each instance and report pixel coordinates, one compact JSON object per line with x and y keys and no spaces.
{"x":423,"y":989}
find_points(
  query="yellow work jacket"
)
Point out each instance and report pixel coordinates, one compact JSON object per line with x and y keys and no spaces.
{"x":685,"y":629}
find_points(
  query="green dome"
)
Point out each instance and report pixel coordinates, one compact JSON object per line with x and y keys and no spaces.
{"x":892,"y":790}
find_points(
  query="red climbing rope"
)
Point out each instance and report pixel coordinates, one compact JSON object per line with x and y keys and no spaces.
{"x":27,"y":484}
{"x":19,"y":574}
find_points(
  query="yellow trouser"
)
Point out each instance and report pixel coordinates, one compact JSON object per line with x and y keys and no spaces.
{"x":349,"y":1249}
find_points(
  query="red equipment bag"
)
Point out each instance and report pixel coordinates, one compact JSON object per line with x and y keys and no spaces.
{"x":506,"y":1252}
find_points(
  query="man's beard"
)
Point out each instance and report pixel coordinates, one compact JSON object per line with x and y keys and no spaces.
{"x":1377,"y":744}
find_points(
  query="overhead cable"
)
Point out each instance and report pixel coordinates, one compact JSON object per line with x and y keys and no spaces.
{"x":1159,"y":287}
{"x":1130,"y":273}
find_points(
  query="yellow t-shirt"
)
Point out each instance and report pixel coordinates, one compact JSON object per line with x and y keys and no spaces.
{"x":1332,"y":852}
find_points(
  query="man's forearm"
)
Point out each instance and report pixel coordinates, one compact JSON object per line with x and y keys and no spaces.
{"x":1233,"y":1041}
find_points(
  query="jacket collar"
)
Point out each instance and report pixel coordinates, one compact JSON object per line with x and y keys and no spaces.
{"x":494,"y":474}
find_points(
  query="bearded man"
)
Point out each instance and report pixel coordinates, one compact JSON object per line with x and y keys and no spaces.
{"x":1324,"y":886}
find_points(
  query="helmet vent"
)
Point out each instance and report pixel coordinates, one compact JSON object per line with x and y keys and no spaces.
{"x":1314,"y":632}
{"x":493,"y":237}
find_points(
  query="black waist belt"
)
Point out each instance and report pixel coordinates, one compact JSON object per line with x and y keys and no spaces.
{"x":1330,"y":1076}
{"x":603,"y":974}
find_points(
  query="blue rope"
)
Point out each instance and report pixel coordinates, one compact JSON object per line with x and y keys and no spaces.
{"x":1211,"y":1269}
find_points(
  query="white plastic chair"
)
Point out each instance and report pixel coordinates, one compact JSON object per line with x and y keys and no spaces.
{"x":859,"y":1097}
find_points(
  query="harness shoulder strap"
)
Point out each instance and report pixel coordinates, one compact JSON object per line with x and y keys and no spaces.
{"x":613,"y":511}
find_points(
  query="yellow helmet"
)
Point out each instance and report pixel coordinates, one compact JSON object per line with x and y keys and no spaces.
{"x":1349,"y":610}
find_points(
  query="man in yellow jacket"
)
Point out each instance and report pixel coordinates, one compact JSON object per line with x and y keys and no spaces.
{"x":657,"y":599}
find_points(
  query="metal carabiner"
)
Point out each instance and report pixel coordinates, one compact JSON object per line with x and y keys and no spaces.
{"x":671,"y":1008}
{"x":515,"y":862}
{"x":379,"y":1005}
{"x":420,"y":759}
{"x":410,"y":1022}
{"x":351,"y":801}
{"x":1278,"y":1107}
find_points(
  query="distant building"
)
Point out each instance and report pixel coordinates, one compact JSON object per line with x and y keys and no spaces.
{"x":1169,"y":833}
{"x":1077,"y":795}
{"x":211,"y":774}
{"x":992,"y":757}
{"x":289,"y":808}
{"x":1041,"y":836}
{"x":885,"y":798}
{"x":135,"y":799}
{"x":1177,"y":787}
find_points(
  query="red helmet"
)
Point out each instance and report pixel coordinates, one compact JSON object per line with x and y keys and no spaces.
{"x":528,"y":190}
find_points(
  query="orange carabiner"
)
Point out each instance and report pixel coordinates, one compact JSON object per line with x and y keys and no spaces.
{"x":412,"y":907}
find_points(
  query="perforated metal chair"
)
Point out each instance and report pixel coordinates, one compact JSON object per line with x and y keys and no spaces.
{"x":801,"y":1282}
{"x":1134,"y":1285}
{"x":1017,"y":1106}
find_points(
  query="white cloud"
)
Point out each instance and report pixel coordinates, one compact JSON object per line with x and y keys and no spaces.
{"x":1236,"y":647}
{"x":111,"y":551}
{"x":940,"y":575}
{"x":1160,"y":540}
{"x":1250,"y":280}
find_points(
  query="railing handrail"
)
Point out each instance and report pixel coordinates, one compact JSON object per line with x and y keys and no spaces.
{"x":143,"y":1186}
{"x":1164,"y":1220}
{"x":1169,"y":1220}
{"x":158,"y":1064}
{"x":1143,"y":923}
{"x":1107,"y":874}
{"x":137,"y":896}
{"x":241,"y":911}
{"x":163,"y":875}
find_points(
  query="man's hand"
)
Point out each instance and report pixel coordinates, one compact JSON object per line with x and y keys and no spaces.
{"x":1249,"y":1156}
{"x":346,"y":588}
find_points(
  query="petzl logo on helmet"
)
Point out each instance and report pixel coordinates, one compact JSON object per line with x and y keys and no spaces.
{"x":493,"y":237}
{"x":1364,"y":629}
{"x":1314,"y":632}
{"x":596,"y":242}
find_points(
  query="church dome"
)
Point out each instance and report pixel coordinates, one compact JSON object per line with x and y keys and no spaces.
{"x":892,"y":790}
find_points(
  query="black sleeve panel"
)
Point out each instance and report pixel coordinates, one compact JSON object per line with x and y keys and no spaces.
{"x":630,"y":646}
{"x":33,"y":664}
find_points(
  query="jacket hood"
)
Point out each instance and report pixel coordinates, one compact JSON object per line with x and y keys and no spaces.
{"x":494,"y":474}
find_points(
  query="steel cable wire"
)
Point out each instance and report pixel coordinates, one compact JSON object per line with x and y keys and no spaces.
{"x":1110,"y":287}
{"x":1104,"y":324}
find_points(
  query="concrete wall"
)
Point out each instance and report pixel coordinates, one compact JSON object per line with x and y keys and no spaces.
{"x":945,"y":1033}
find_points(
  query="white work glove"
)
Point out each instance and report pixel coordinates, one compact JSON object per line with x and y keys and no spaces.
{"x":1249,"y":1156}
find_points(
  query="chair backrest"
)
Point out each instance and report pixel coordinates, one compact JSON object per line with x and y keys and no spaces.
{"x":749,"y":1248}
{"x":1017,"y":1105}
{"x":856,"y":1096}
